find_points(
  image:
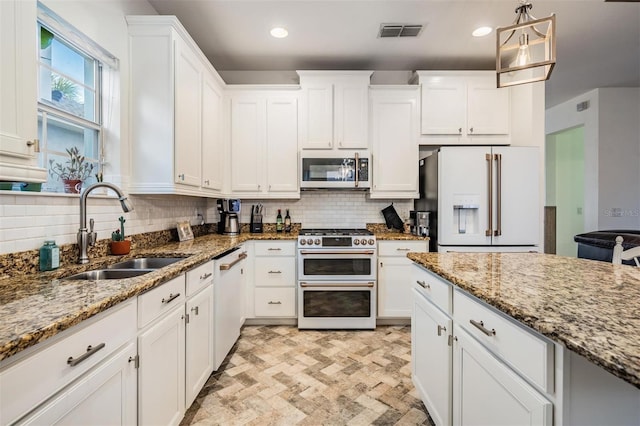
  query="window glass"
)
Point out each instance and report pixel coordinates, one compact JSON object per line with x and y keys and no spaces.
{"x":69,"y":119}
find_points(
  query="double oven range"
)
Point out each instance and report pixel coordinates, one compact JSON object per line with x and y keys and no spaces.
{"x":337,"y":271}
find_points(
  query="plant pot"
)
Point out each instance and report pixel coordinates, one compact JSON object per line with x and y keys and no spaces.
{"x":56,"y":95}
{"x":72,"y":186}
{"x":120,"y":247}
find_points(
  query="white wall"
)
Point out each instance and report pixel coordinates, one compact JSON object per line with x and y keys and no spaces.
{"x":611,"y":154}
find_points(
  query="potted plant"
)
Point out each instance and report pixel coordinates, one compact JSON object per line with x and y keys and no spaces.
{"x":75,"y":170}
{"x":118,"y":244}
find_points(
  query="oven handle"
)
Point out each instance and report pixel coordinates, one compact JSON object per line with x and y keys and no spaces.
{"x":314,"y":252}
{"x":318,"y":284}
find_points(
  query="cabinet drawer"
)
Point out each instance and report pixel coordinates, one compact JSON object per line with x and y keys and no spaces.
{"x":529,"y":354}
{"x":401,"y":248}
{"x":160,"y":300}
{"x":275,"y":248}
{"x":31,"y":381}
{"x":275,"y":271}
{"x":433,"y":288}
{"x":275,"y":302}
{"x":199,"y":277}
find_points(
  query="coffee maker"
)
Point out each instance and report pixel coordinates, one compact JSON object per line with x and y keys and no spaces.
{"x":228,"y":209}
{"x":419,"y":221}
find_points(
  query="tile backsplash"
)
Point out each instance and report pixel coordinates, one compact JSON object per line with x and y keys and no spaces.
{"x":27,"y":220}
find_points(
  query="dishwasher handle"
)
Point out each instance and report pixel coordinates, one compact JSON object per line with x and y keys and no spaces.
{"x":227,"y":266}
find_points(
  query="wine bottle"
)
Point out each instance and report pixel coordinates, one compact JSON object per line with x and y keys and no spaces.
{"x":279,"y":221}
{"x":287,"y":222}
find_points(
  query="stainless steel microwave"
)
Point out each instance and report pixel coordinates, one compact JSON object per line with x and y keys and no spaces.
{"x":335,"y":170}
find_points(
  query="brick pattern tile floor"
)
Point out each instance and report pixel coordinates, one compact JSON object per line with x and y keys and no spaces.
{"x":279,"y":375}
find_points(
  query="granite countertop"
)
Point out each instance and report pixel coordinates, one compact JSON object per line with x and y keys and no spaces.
{"x":35,"y":307}
{"x":590,"y":307}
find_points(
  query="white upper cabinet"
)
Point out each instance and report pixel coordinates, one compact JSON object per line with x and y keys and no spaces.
{"x":18,"y":85}
{"x":464,"y":108}
{"x":264,"y":143}
{"x":175,"y":111}
{"x":394,"y":141}
{"x":334,"y":109}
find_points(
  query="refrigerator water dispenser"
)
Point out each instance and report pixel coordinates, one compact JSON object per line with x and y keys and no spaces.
{"x":465,"y":213}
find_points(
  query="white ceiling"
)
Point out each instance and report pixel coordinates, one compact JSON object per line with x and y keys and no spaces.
{"x":598,"y":43}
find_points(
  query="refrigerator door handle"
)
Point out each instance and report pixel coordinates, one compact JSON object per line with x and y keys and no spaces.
{"x":489,"y":158}
{"x":498,"y":230}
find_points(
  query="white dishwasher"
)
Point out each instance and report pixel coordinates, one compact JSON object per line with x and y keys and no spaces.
{"x":228,"y":287}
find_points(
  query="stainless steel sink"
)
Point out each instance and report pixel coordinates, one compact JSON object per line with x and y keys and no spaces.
{"x":109,"y":274}
{"x":146,"y":263}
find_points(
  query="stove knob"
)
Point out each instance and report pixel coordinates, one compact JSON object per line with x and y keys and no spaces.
{"x":309,"y":241}
{"x":317,"y":241}
{"x":303,"y":242}
{"x":356,"y":241}
{"x":371,"y":242}
{"x":363,"y":242}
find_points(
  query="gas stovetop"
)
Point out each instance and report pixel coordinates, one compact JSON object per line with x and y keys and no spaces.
{"x":330,"y":232}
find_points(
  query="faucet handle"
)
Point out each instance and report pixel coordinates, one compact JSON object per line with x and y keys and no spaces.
{"x":91,"y":236}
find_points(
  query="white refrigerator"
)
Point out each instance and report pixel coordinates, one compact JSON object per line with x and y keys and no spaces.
{"x":482,"y":198}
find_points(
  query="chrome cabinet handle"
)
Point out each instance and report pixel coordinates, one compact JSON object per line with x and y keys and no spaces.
{"x":227,"y":266}
{"x":205,"y":276}
{"x":441,"y":329}
{"x":403,"y":249}
{"x":275,"y":272}
{"x":275,"y":303}
{"x":171,"y":298}
{"x":195,"y":310}
{"x":480,"y":326}
{"x":274,"y":249}
{"x":90,"y":351}
{"x":423,"y":284}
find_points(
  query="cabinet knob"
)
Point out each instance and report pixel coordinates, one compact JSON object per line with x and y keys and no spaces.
{"x":206,"y":182}
{"x":460,"y":130}
{"x":329,"y":144}
{"x":470,"y":129}
{"x":35,"y":144}
{"x":181,"y":176}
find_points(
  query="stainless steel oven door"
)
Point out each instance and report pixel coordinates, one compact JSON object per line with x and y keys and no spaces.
{"x":337,"y":264}
{"x":337,"y":304}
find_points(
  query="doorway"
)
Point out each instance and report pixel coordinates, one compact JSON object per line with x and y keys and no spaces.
{"x":564,"y":169}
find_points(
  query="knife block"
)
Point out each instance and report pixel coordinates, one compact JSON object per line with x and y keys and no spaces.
{"x":255,"y":226}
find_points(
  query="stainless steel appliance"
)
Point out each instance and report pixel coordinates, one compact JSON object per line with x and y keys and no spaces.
{"x":419,"y":223}
{"x":337,"y":271}
{"x":228,"y":209}
{"x":335,"y":170}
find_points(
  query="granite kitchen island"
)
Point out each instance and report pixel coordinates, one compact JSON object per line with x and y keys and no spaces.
{"x":586,"y":312}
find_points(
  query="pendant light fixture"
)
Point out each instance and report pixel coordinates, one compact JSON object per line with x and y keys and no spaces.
{"x":526,"y":49}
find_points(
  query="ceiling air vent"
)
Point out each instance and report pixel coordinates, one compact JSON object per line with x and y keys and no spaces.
{"x":399,"y":30}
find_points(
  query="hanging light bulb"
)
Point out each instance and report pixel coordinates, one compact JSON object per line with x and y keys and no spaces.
{"x":529,"y":57}
{"x":524,"y":57}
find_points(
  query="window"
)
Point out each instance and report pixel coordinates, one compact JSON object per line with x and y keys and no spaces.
{"x":71,"y":69}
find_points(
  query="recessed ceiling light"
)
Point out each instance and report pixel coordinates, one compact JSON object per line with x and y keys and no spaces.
{"x":482,"y":31}
{"x":279,"y":32}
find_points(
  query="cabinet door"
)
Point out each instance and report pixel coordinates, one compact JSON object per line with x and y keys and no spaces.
{"x":161,"y":373}
{"x":394,"y":287}
{"x":431,"y":358}
{"x":351,"y":115}
{"x":199,"y":343}
{"x":247,"y":142}
{"x":282,"y":145}
{"x":106,"y":395}
{"x":487,"y":107}
{"x":212,"y":147}
{"x":18,"y":83}
{"x":316,"y":116}
{"x":394,"y":118}
{"x":187,"y":117}
{"x":444,"y":103}
{"x":487,"y":392}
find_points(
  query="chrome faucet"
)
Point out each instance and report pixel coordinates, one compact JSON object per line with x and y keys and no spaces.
{"x":88,"y":238}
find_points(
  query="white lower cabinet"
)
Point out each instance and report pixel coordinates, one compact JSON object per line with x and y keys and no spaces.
{"x":274,"y":290}
{"x":161,"y":373}
{"x":431,"y":357}
{"x":106,"y":395}
{"x":487,"y":392}
{"x":394,"y":277}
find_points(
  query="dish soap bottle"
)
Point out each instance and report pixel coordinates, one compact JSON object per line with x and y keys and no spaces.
{"x":279,"y":221}
{"x":287,"y":222}
{"x":49,"y":256}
